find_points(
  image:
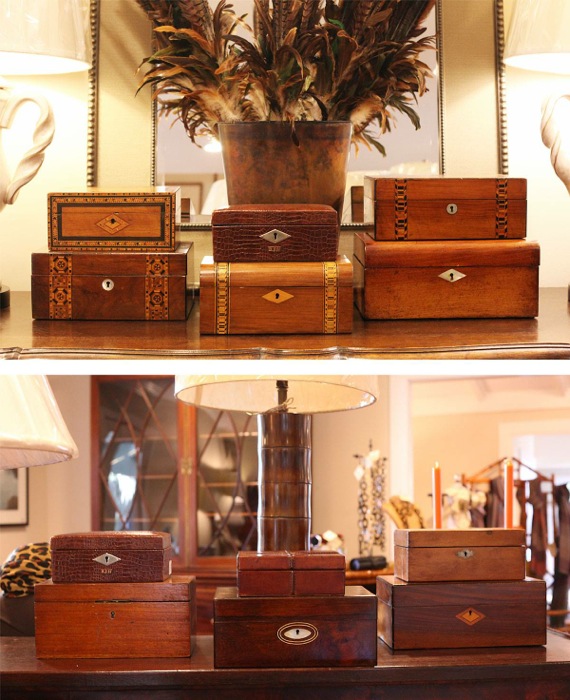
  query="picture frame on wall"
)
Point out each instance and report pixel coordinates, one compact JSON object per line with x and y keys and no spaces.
{"x":13,"y":497}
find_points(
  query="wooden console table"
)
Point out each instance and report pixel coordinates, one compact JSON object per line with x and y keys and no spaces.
{"x":546,"y":337}
{"x":507,"y":673}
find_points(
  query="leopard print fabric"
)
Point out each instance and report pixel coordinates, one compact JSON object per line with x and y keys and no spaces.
{"x":24,"y":567}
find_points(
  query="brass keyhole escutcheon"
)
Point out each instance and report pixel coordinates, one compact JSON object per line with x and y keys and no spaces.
{"x":112,"y":614}
{"x":108,"y":285}
{"x":452,"y":208}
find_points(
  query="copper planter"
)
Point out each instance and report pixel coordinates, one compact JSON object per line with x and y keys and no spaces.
{"x":265,"y":163}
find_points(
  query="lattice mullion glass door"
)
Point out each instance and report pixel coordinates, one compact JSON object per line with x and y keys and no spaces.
{"x":226,"y":483}
{"x":138,"y":464}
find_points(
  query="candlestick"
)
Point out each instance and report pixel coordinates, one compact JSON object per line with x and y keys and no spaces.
{"x":436,"y":495}
{"x":509,"y":494}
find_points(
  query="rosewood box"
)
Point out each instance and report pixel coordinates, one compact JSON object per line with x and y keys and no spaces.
{"x":270,"y":298}
{"x":102,"y":220}
{"x":436,"y":208}
{"x":118,"y":557}
{"x":476,"y":554}
{"x":115,"y":620}
{"x":285,"y":573}
{"x":264,"y":574}
{"x":445,"y":279}
{"x":467,"y":614}
{"x":275,"y":233}
{"x":113,"y":286}
{"x":294,"y":631}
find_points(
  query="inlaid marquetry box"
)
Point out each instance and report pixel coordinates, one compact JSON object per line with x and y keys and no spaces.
{"x":442,"y":208}
{"x":295,"y":631}
{"x":445,"y":279}
{"x":461,"y":614}
{"x":272,"y":298}
{"x":117,"y":557}
{"x":115,"y":620}
{"x":275,"y":233}
{"x":475,"y":554}
{"x":124,"y":220}
{"x":137,"y":286}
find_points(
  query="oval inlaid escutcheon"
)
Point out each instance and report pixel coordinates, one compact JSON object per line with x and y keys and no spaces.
{"x":297,"y":633}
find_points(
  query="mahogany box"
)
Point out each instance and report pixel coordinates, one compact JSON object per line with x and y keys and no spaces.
{"x":445,"y":279}
{"x":461,"y":614}
{"x":476,"y":554}
{"x":113,"y":286}
{"x":441,"y":208}
{"x":268,"y":298}
{"x":118,"y":557}
{"x":275,"y":233}
{"x":264,"y":573}
{"x":101,"y":220}
{"x":285,"y":573}
{"x":115,"y":620}
{"x":318,"y":573}
{"x":294,"y":631}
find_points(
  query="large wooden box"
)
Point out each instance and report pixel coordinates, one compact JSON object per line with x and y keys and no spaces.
{"x":101,"y":220}
{"x":118,"y":286}
{"x":266,"y":298}
{"x":275,"y":233}
{"x":441,"y":208}
{"x":115,"y":620}
{"x":477,"y":554}
{"x":454,"y":615}
{"x":296,"y":631}
{"x":118,"y":557}
{"x":459,"y":279}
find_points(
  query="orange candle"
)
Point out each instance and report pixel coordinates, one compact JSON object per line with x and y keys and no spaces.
{"x":509,"y":494}
{"x":436,"y":495}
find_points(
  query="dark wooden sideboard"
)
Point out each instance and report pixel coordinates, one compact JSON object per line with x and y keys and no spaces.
{"x":545,"y":337}
{"x":509,"y":673}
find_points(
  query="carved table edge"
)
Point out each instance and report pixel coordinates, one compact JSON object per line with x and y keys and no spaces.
{"x":544,"y":351}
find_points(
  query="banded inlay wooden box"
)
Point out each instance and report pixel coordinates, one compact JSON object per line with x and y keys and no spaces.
{"x":275,"y":298}
{"x":125,"y":220}
{"x":442,"y":208}
{"x":122,"y":286}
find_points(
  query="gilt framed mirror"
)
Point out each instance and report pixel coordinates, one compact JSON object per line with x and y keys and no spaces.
{"x":463,"y":126}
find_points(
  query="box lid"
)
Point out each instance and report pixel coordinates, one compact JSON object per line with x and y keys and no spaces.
{"x":123,"y":540}
{"x":318,"y":560}
{"x":446,"y":188}
{"x":228,"y":604}
{"x":263,"y":561}
{"x":472,"y":537}
{"x":174,"y":589}
{"x":282,"y":274}
{"x":113,"y":263}
{"x":102,"y":193}
{"x":276,"y":215}
{"x":406,"y":254}
{"x":396,"y":592}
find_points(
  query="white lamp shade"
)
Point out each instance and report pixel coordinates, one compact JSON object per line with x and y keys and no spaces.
{"x":539,"y":36}
{"x":32,"y":430}
{"x":44,"y":36}
{"x":258,"y":394}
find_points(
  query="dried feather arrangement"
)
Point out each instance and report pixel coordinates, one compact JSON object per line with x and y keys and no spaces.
{"x":318,"y":60}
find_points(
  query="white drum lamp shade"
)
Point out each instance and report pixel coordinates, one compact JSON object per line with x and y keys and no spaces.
{"x":32,"y":429}
{"x":259,"y":394}
{"x":44,"y":36}
{"x":539,"y":36}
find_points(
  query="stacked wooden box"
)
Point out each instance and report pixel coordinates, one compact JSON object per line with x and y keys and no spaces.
{"x":113,"y":256}
{"x":293,"y":610}
{"x":112,"y":595}
{"x":445,"y":248}
{"x":460,"y":588}
{"x":275,"y":269}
